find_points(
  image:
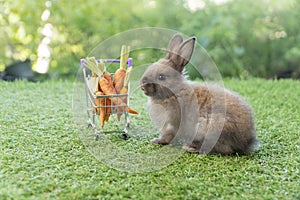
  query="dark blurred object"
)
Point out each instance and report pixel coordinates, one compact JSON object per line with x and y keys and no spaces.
{"x":288,"y":74}
{"x":21,"y":70}
{"x":18,"y":70}
{"x":125,"y":136}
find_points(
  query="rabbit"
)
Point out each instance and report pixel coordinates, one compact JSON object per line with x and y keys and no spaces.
{"x":202,"y":118}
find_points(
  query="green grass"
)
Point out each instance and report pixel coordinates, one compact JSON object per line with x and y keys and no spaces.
{"x":42,"y":153}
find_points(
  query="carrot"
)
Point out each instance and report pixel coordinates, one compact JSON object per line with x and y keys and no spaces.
{"x":119,"y":79}
{"x":121,"y":72}
{"x":108,"y":77}
{"x":130,"y":110}
{"x":107,"y":108}
{"x":124,"y":89}
{"x":109,"y":90}
{"x":100,"y":102}
{"x":106,"y":87}
{"x":120,"y":108}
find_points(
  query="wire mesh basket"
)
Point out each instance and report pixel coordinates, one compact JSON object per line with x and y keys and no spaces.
{"x":116,"y":116}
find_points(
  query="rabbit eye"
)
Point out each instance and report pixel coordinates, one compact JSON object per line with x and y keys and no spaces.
{"x":161,"y":77}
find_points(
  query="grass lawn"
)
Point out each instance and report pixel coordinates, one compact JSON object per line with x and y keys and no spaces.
{"x":43,"y":156}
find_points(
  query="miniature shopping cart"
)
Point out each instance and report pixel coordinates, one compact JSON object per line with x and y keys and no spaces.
{"x":115,"y":124}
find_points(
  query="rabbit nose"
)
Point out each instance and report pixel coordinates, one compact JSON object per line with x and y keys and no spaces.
{"x":144,"y":81}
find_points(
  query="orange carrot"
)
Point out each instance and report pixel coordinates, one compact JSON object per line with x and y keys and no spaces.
{"x":121,"y":72}
{"x":106,"y":87}
{"x":109,"y":90}
{"x":108,"y":77}
{"x":119,"y":79}
{"x":130,"y":110}
{"x":100,"y":102}
{"x":121,"y":108}
{"x":107,"y":108}
{"x":124,"y":89}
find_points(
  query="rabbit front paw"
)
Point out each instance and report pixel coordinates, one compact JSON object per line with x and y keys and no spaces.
{"x":159,"y":141}
{"x":190,"y":149}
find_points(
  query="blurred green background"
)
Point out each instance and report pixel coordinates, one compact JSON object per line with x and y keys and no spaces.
{"x":245,"y":38}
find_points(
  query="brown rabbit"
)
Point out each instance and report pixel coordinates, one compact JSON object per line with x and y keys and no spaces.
{"x":205,"y":118}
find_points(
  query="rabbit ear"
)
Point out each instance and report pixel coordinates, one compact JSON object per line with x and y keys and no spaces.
{"x":174,"y":45}
{"x":183,"y":54}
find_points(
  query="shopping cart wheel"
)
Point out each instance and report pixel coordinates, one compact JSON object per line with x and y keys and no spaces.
{"x":125,"y":136}
{"x":96,"y":137}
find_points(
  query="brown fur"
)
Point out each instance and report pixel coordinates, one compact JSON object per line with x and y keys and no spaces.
{"x":206,"y":118}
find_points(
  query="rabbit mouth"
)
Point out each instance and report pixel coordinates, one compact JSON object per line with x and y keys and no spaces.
{"x":156,"y":91}
{"x":149,"y":89}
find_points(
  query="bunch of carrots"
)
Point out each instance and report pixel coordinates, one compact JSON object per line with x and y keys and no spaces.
{"x":111,"y":85}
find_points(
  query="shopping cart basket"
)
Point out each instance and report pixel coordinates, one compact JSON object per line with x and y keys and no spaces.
{"x":114,"y":125}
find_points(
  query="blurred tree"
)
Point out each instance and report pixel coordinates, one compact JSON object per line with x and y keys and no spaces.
{"x":20,"y":23}
{"x":248,"y":37}
{"x":257,"y":37}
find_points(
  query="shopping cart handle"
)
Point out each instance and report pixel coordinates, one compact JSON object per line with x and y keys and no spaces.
{"x":82,"y":63}
{"x":110,"y":60}
{"x":129,"y":61}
